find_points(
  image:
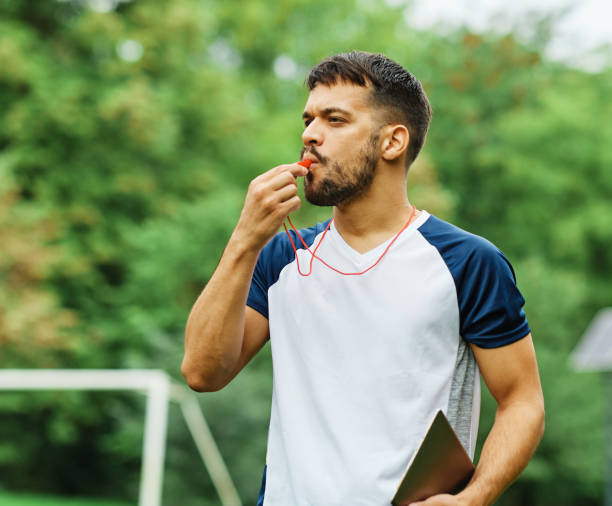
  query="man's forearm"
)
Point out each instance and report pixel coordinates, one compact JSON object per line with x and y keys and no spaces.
{"x":215,"y":328}
{"x":515,"y":435}
{"x":215,"y":331}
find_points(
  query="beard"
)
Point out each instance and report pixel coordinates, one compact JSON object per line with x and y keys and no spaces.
{"x":343,"y":183}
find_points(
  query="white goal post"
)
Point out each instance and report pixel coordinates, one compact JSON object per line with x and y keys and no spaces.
{"x":159,"y":390}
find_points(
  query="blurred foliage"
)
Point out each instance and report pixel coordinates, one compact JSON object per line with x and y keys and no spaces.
{"x":127,"y":139}
{"x":11,"y":499}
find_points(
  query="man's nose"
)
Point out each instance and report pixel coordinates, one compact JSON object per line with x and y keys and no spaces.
{"x":312,"y":135}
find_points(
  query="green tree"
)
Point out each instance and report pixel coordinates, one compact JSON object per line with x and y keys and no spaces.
{"x":127,"y":139}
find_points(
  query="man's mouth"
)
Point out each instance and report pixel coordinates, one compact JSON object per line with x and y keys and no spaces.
{"x":312,"y":155}
{"x":304,"y":163}
{"x":311,"y":160}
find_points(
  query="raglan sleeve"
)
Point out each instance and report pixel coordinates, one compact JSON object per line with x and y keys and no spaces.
{"x":490,"y":303}
{"x":265,"y":275}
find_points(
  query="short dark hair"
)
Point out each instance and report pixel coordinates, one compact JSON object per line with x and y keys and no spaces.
{"x":394,"y":88}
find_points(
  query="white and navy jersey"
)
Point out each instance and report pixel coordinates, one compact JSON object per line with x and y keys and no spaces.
{"x":362,"y":363}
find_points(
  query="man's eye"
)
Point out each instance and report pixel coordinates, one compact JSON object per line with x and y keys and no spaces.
{"x":307,"y":122}
{"x":335,"y":119}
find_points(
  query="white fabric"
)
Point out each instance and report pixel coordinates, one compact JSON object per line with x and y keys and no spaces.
{"x":361,"y":364}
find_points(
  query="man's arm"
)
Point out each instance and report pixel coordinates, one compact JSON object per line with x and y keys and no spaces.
{"x":222,"y":334}
{"x":511,"y":375}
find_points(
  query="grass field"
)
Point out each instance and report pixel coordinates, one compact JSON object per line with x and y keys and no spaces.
{"x":24,"y":499}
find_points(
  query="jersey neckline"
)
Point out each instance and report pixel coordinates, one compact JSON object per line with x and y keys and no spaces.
{"x":361,"y":259}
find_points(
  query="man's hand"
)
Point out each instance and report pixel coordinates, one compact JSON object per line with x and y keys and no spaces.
{"x":222,"y":334}
{"x":272,"y":196}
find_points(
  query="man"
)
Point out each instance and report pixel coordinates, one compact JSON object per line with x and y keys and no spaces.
{"x":379,"y":319}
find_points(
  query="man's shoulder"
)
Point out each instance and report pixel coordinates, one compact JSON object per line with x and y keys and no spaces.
{"x":490,"y":304}
{"x":463,"y":251}
{"x":455,"y":243}
{"x":281,"y":249}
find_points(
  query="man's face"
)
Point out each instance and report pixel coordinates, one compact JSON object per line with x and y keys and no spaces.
{"x":341,"y":139}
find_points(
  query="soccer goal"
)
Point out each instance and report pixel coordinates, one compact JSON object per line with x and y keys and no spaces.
{"x":159,"y":390}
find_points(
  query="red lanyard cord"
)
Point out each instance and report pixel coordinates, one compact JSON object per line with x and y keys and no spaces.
{"x":314,"y":255}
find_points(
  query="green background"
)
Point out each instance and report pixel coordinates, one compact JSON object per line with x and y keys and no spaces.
{"x":120,"y":182}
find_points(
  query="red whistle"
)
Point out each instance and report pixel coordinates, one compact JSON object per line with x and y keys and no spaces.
{"x":305,"y":163}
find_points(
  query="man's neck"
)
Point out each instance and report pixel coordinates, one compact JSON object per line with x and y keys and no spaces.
{"x":374,"y":217}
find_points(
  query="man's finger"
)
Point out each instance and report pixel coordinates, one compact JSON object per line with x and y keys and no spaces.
{"x":281,"y":180}
{"x":286,"y":192}
{"x":293,"y":204}
{"x":297,"y":170}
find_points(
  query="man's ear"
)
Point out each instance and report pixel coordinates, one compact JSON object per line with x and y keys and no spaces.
{"x":395,"y":139}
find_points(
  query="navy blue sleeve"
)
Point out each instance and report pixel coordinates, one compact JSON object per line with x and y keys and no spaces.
{"x":258,"y":293}
{"x":490,"y":304}
{"x":273,"y":257}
